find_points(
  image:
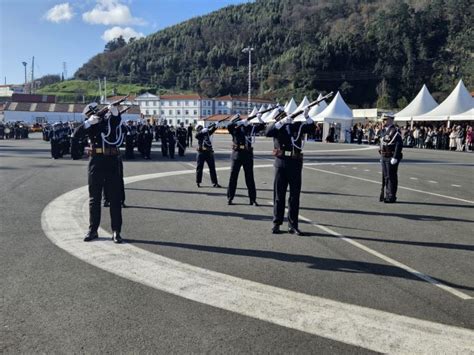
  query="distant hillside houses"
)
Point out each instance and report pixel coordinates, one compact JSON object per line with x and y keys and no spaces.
{"x":189,"y":108}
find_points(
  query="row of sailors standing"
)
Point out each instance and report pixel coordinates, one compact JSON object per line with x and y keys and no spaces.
{"x":288,"y":138}
{"x":13,"y":131}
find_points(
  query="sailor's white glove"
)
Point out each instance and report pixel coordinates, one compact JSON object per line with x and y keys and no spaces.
{"x":283,"y":121}
{"x":113,"y":110}
{"x":240,"y":123}
{"x":393,"y":161}
{"x":92,"y":120}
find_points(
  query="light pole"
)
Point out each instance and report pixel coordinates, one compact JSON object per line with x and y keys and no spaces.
{"x":24,"y":88}
{"x":249,"y":51}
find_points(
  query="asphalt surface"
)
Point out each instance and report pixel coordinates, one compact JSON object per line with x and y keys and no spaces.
{"x":53,"y":302}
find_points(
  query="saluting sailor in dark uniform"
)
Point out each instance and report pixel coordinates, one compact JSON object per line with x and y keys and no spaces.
{"x":391,"y":146}
{"x":288,"y":144}
{"x":205,"y":154}
{"x":105,"y":136}
{"x":243,"y":135}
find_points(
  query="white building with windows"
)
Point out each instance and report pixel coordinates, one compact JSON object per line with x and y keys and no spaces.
{"x":230,"y":105}
{"x":192,"y":108}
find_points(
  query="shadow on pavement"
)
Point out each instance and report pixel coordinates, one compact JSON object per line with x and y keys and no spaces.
{"x":327,"y":264}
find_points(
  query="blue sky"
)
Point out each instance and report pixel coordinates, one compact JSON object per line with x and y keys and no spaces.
{"x":72,"y":31}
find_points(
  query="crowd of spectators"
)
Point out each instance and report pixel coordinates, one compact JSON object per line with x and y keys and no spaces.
{"x":430,"y":136}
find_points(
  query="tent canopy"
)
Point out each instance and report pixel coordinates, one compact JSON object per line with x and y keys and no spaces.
{"x":337,"y":109}
{"x":465,"y":116}
{"x":421,"y":104}
{"x":459,"y":101}
{"x":316,"y":110}
{"x":301,"y":106}
{"x":290,"y":106}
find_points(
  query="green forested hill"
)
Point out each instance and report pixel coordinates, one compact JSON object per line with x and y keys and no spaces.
{"x":374,"y":51}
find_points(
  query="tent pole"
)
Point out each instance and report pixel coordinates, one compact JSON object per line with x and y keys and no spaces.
{"x":411,"y":124}
{"x":449,"y":123}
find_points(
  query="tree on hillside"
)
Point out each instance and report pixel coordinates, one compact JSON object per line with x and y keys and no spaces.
{"x":115,"y":44}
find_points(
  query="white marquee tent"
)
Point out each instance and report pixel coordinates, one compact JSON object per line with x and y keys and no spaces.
{"x":290,"y":106}
{"x":421,"y":104}
{"x":316,"y":110}
{"x":337,"y":113}
{"x":465,"y":116}
{"x":301,"y":106}
{"x":457,"y":103}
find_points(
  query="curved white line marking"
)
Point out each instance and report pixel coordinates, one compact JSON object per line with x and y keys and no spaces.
{"x":64,"y":223}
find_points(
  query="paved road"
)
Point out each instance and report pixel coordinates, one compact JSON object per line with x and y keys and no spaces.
{"x":359,"y":252}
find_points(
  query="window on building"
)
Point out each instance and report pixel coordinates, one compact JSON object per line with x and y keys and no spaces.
{"x":208,"y":112}
{"x":178,"y":112}
{"x":178,"y":103}
{"x":170,"y":112}
{"x":195,"y":122}
{"x":195,"y":112}
{"x":178,"y":121}
{"x":154,"y":112}
{"x":146,"y":112}
{"x":186,"y":112}
{"x":204,"y":112}
{"x":195,"y":103}
{"x":186,"y":103}
{"x":162,"y":112}
{"x":219,"y":112}
{"x":187,"y":122}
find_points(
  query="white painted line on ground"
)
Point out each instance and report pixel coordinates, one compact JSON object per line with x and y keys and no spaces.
{"x":64,"y":223}
{"x":400,"y":187}
{"x":454,"y":185}
{"x":354,"y":168}
{"x":413,"y":178}
{"x":432,"y":181}
{"x":367,"y":170}
{"x":387,"y":259}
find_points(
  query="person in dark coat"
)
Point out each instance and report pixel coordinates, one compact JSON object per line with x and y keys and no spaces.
{"x":288,"y":139}
{"x":391,"y":154}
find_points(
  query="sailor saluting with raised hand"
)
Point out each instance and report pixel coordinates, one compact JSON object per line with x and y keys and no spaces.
{"x":288,"y":141}
{"x":105,"y":133}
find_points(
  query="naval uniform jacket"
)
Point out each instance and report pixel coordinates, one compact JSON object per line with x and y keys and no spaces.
{"x":391,"y":144}
{"x":242,"y":136}
{"x":204,"y":140}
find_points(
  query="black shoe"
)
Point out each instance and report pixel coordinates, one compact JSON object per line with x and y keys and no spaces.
{"x":253,"y":202}
{"x":389,"y":200}
{"x":124,"y":205}
{"x":293,"y":230}
{"x":116,"y":237}
{"x":229,"y":202}
{"x":276,"y":229}
{"x":381,"y":198}
{"x":91,"y":236}
{"x":216,"y":185}
{"x":198,"y":184}
{"x":106,"y":204}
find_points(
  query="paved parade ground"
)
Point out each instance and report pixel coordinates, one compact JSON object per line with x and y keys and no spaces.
{"x":197,"y":275}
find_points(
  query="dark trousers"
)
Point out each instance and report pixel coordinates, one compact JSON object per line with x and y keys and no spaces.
{"x":129,"y":148}
{"x":390,"y":177}
{"x":207,"y":157}
{"x":164,"y":147}
{"x":239,"y":159}
{"x":147,"y":147}
{"x":104,"y":171}
{"x":287,"y":172}
{"x":189,"y":139}
{"x":181,"y":147}
{"x":171,"y":149}
{"x":55,"y":149}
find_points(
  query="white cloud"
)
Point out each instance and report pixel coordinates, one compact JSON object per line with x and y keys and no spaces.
{"x":111,"y":12}
{"x":60,"y":13}
{"x":117,"y":31}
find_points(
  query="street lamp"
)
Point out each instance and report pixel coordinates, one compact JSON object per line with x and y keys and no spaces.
{"x":24,"y":88}
{"x":249,"y":51}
